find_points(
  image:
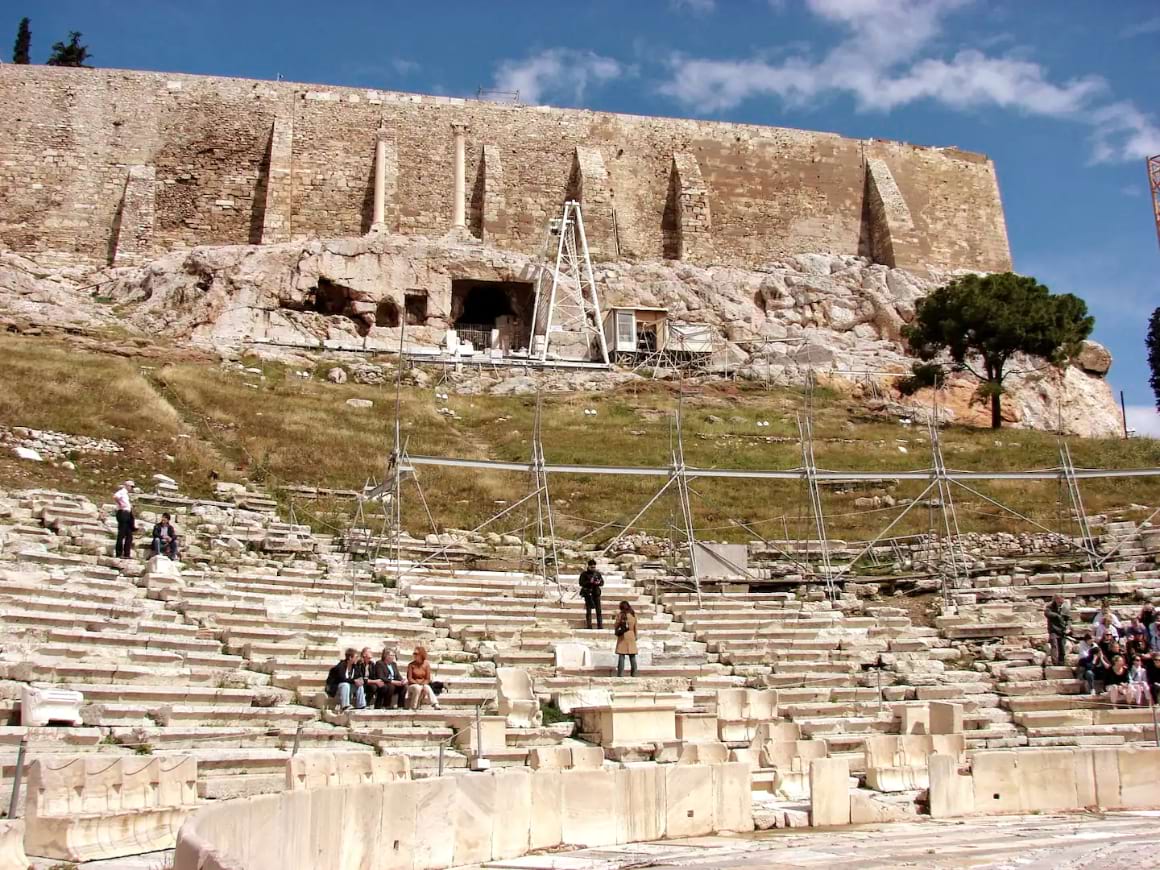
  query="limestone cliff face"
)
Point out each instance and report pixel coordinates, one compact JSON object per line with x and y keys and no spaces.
{"x":838,"y":317}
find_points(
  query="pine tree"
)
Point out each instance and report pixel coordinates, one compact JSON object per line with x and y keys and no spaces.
{"x":23,"y":43}
{"x":70,"y":54}
{"x":981,"y":322}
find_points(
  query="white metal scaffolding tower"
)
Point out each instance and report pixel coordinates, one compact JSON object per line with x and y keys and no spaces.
{"x":566,"y":296}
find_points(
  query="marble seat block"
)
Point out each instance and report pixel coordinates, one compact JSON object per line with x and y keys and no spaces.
{"x":569,"y":700}
{"x":587,"y":757}
{"x":488,"y":735}
{"x":40,"y":705}
{"x":915,"y":719}
{"x":899,"y":762}
{"x":629,"y":725}
{"x":516,"y":699}
{"x":549,"y":758}
{"x":326,"y":769}
{"x":573,"y":656}
{"x":91,"y":808}
{"x":945,"y":718}
{"x":12,"y":855}
{"x":741,"y":713}
{"x":790,"y":760}
{"x":697,"y":727}
{"x":703,"y":753}
{"x":829,"y":792}
{"x":952,"y":792}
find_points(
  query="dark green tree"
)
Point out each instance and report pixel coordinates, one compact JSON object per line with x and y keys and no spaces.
{"x":23,"y":43}
{"x":1152,"y":342}
{"x":71,"y":53}
{"x":982,"y":321}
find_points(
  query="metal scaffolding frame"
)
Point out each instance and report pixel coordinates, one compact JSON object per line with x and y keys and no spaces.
{"x":566,"y":296}
{"x":679,"y":475}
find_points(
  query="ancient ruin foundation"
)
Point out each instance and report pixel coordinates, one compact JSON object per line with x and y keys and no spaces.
{"x":126,"y":165}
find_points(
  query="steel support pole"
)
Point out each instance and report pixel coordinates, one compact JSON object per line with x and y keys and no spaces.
{"x":18,"y":777}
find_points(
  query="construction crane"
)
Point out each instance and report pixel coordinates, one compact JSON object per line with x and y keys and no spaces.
{"x":1154,"y":182}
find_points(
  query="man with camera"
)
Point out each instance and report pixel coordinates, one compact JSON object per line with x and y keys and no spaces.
{"x":591,"y":582}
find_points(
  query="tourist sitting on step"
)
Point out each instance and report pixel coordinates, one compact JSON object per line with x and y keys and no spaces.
{"x":1136,"y":637}
{"x":1137,"y":689}
{"x":340,"y":683}
{"x":1093,"y":665}
{"x":1112,"y":646}
{"x":1116,"y":681}
{"x":126,"y":524}
{"x":389,"y":682}
{"x":364,"y":675}
{"x":1148,"y":616}
{"x":1154,"y":636}
{"x":1152,"y":668}
{"x":625,"y":629}
{"x":1105,"y":622}
{"x":165,"y":538}
{"x":419,"y":687}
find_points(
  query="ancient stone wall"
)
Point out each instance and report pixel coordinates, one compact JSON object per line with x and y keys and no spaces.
{"x":238,"y":161}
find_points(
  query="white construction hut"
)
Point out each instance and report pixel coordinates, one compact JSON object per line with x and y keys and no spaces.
{"x":641,"y":331}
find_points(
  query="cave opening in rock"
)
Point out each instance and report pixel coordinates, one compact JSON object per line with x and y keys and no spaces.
{"x":329,"y":298}
{"x":480,"y":307}
{"x":387,"y":313}
{"x":332,"y":299}
{"x":415,"y":304}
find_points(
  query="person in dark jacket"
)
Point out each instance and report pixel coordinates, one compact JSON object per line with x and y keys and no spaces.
{"x":390,"y":684}
{"x":591,"y":582}
{"x":364,"y":675}
{"x":1058,"y":615}
{"x":340,"y":683}
{"x":165,"y":538}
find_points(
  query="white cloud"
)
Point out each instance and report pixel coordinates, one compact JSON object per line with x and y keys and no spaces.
{"x":1144,"y":419}
{"x":1150,"y":25}
{"x":696,"y":7}
{"x":404,"y":67}
{"x":561,"y":73}
{"x":889,"y":59}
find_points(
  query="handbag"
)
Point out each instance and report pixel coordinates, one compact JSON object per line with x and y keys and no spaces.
{"x":621,"y":628}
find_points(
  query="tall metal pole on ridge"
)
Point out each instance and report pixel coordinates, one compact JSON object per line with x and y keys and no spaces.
{"x":397,"y":506}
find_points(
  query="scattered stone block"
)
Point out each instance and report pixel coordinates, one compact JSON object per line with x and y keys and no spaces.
{"x":945,"y":718}
{"x":40,"y":706}
{"x":587,"y":757}
{"x":952,"y":792}
{"x":829,"y":792}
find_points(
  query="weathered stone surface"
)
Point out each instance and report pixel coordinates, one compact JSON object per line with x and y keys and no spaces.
{"x":796,"y":314}
{"x":236,"y":162}
{"x":1094,"y":357}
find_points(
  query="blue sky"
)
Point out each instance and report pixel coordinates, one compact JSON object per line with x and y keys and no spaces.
{"x":1060,"y":93}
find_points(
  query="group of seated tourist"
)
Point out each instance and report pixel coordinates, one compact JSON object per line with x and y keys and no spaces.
{"x":1125,"y":658}
{"x":359,"y":682}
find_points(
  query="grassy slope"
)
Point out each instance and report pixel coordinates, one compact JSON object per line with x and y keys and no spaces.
{"x":287,"y":429}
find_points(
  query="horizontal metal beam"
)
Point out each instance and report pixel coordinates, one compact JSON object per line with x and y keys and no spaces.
{"x":786,"y":474}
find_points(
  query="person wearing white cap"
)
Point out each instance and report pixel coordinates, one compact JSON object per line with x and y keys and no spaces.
{"x":125,"y":521}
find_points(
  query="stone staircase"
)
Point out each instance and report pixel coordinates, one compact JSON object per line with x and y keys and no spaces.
{"x":227,"y":660}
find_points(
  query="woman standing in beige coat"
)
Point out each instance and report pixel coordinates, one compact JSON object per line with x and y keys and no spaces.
{"x":625,"y":638}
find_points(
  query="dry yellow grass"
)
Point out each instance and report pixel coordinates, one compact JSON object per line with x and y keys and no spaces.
{"x":282,"y":429}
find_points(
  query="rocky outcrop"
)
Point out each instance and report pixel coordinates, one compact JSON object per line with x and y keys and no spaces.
{"x":837,"y":317}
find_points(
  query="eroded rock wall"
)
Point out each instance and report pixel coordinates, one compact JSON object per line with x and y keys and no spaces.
{"x":837,"y":317}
